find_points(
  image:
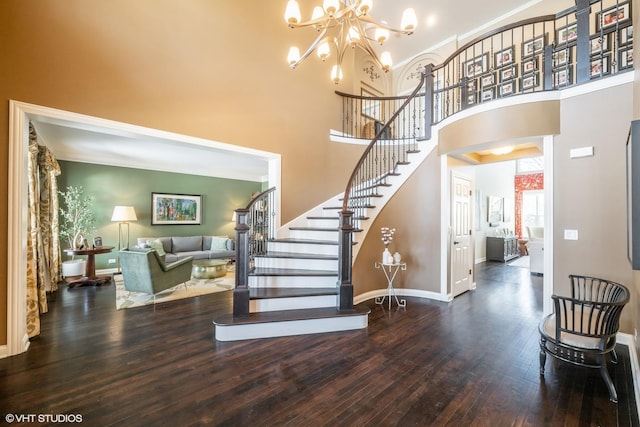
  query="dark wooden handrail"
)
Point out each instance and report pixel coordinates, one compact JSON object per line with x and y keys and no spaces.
{"x":375,"y":140}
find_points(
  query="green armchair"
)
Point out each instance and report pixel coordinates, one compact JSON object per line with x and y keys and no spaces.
{"x":145,"y":271}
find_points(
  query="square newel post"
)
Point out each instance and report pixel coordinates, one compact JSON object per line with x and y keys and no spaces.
{"x":583,"y":61}
{"x":241,"y":291}
{"x":345,"y":254}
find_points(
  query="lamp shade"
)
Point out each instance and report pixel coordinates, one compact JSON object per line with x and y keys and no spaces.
{"x":124,"y":213}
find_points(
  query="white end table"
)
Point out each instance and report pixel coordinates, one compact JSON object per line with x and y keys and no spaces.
{"x":390,"y":271}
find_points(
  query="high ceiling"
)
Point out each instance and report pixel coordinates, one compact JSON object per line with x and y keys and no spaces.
{"x":438,"y":21}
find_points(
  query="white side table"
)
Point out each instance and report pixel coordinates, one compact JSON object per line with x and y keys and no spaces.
{"x":390,"y":271}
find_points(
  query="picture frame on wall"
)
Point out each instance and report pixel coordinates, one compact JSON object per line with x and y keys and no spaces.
{"x":528,"y":81}
{"x":625,"y":36}
{"x":488,"y":80}
{"x":599,"y":44}
{"x":561,"y":57}
{"x":529,"y":65}
{"x":176,"y":209}
{"x":562,"y":77}
{"x":600,"y":66}
{"x":625,"y":58}
{"x":567,"y":34}
{"x":534,"y":46}
{"x":508,"y":88}
{"x":503,"y":57}
{"x":613,"y":16}
{"x":476,"y":66}
{"x":508,"y":73}
{"x":487,"y":94}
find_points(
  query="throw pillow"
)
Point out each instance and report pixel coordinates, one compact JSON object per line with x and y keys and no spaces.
{"x":157,"y":245}
{"x":219,"y":243}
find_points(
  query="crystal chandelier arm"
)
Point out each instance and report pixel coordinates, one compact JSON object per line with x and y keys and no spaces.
{"x":321,"y":37}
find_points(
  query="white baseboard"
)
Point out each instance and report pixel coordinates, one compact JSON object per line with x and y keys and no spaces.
{"x":629,"y":341}
{"x":4,"y":351}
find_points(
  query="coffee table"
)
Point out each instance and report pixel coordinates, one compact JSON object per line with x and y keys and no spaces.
{"x":208,"y":268}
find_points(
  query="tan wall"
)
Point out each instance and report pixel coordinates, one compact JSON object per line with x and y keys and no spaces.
{"x":215,"y":70}
{"x":414,"y":212}
{"x":590,"y":193}
{"x":503,"y":124}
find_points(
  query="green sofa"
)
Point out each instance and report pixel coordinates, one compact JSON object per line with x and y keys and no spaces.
{"x":143,"y":270}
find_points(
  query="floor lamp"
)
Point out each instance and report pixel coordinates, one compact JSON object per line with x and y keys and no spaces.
{"x":123,"y":215}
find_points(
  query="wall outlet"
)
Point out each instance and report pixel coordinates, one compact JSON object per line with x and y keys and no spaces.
{"x":112,"y":261}
{"x":570,"y":234}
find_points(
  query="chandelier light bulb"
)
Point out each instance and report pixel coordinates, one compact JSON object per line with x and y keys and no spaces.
{"x":336,"y":74}
{"x":409,"y":20}
{"x":292,"y":12}
{"x":365,"y":6}
{"x":381,"y":35}
{"x":385,"y":60}
{"x":323,"y":51}
{"x":331,"y":6}
{"x":353,"y":35}
{"x":294,"y":56}
{"x":318,"y":13}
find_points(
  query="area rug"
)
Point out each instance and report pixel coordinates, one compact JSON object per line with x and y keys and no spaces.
{"x":194,"y":288}
{"x":523,"y":261}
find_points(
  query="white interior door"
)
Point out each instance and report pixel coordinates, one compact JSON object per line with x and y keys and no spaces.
{"x":461,"y":240}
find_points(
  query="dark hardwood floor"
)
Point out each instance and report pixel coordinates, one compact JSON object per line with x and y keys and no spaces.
{"x":470,"y":362}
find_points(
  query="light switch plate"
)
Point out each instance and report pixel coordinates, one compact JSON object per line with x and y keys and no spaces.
{"x":570,"y":234}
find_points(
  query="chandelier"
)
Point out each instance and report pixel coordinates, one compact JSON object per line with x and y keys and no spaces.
{"x":343,"y":24}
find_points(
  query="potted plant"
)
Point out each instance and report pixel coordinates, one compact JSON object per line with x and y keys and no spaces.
{"x":77,"y":221}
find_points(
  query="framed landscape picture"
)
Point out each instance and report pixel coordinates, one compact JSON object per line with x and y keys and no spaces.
{"x":562,"y":77}
{"x":175,"y":209}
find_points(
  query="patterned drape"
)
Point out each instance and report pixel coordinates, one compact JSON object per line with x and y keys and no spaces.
{"x":43,"y":248}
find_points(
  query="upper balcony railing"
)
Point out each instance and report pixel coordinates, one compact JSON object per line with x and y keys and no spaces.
{"x":591,"y":40}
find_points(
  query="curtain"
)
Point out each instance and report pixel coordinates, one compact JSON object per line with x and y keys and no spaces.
{"x":43,"y":247}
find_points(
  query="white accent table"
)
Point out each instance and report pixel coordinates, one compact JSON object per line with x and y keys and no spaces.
{"x":390,"y":271}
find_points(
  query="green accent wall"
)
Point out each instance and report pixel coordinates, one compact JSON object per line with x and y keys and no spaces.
{"x":111,"y":186}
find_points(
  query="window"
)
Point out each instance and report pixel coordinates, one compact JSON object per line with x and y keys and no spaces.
{"x":532,"y":164}
{"x":532,"y":209}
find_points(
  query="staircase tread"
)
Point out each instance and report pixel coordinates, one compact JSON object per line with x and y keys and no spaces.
{"x":349,"y":207}
{"x":297,"y":255}
{"x":314,"y":228}
{"x":335,"y":218}
{"x":264,"y":293}
{"x":291,"y":272}
{"x":290,"y":315}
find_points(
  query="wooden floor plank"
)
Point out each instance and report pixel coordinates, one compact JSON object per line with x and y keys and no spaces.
{"x":473,"y":361}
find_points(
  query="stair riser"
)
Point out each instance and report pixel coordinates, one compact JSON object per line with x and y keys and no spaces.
{"x":292,"y":281}
{"x":304,"y":248}
{"x":297,"y":263}
{"x":289,"y":328}
{"x":293,"y":303}
{"x":314,"y":235}
{"x":323,"y":223}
